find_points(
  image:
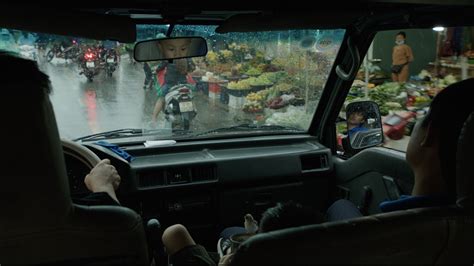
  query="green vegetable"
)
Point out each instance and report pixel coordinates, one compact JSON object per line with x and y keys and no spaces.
{"x":384,"y":93}
{"x":260,"y":81}
{"x":253,"y":72}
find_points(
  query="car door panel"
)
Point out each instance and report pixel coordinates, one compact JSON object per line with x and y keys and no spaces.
{"x":375,"y":175}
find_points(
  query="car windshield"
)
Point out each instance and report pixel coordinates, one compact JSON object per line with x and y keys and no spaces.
{"x":248,"y":83}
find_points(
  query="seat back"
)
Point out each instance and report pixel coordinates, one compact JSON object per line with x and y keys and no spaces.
{"x":396,"y":237}
{"x":38,"y":221}
{"x":459,"y":246}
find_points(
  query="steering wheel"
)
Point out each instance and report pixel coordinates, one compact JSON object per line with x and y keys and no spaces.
{"x":79,"y":162}
{"x":80,"y":152}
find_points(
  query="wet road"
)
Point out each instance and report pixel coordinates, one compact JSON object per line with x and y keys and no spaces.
{"x":110,"y":103}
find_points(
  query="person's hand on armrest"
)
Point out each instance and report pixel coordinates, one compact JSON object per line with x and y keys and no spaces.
{"x":103,"y":178}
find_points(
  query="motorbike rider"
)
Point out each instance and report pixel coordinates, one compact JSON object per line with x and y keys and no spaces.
{"x":109,"y":46}
{"x":169,"y":75}
{"x":65,"y":45}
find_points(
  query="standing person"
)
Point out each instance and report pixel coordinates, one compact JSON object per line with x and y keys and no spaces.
{"x":402,"y":55}
{"x":148,"y":76}
{"x":129,"y":49}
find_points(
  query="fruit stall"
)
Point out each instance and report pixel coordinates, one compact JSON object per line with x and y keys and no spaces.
{"x":279,"y":90}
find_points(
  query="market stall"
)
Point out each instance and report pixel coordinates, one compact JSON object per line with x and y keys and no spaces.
{"x":265,"y":83}
{"x":401,"y":104}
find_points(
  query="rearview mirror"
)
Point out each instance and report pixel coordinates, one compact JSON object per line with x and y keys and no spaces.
{"x":170,"y":48}
{"x":364,"y":125}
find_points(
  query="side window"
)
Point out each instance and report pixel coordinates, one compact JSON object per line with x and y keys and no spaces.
{"x":403,"y":71}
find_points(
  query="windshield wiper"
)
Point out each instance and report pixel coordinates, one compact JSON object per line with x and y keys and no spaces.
{"x":249,"y":128}
{"x":113,"y":133}
{"x":125,"y":132}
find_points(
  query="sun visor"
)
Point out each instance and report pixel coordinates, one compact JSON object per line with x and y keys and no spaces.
{"x":61,"y":22}
{"x":270,"y":22}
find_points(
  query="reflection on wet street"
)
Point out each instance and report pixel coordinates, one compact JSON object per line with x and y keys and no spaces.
{"x":110,"y":103}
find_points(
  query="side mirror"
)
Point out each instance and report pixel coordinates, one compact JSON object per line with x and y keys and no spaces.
{"x":170,"y":48}
{"x":364,"y":125}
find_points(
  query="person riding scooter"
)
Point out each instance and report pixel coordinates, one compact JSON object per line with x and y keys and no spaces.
{"x":169,"y":75}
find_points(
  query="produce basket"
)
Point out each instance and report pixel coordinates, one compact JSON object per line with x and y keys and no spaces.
{"x":238,"y":93}
{"x":297,"y":102}
{"x":236,"y":78}
{"x":257,"y":88}
{"x":254,"y":111}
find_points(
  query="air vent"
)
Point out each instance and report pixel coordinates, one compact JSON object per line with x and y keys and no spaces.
{"x":178,"y":176}
{"x":175,"y":176}
{"x":151,"y":178}
{"x":203,"y":173}
{"x":314,"y":162}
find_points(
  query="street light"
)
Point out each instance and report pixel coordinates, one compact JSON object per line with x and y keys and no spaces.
{"x":438,"y":28}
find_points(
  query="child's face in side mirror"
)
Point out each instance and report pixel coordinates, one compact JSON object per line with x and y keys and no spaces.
{"x":355,"y":118}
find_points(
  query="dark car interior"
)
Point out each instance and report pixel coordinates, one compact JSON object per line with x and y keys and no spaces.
{"x":211,"y":183}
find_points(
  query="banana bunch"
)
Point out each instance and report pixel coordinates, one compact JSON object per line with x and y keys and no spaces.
{"x":255,"y":97}
{"x":240,"y":85}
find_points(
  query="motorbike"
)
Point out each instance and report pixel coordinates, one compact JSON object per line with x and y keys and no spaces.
{"x":58,"y":51}
{"x":90,"y":64}
{"x":179,"y":106}
{"x":110,"y":62}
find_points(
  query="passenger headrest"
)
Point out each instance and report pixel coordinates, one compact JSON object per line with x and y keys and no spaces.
{"x":464,"y":163}
{"x":34,"y":188}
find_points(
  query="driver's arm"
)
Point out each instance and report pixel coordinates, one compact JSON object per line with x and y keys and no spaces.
{"x":102,"y":180}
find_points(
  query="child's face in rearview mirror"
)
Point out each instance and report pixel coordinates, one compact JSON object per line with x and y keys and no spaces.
{"x":175,"y":48}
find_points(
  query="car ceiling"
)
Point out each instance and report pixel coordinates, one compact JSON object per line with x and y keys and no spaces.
{"x":118,"y":22}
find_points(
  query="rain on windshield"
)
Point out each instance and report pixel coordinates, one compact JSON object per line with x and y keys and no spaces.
{"x":257,"y":78}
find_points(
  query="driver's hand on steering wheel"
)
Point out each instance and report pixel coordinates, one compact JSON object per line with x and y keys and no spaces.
{"x":103,"y":178}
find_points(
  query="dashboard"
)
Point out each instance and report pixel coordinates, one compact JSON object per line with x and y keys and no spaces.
{"x":216,"y":180}
{"x":224,"y":162}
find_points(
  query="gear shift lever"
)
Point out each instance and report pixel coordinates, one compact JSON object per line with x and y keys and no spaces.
{"x":154,"y":233}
